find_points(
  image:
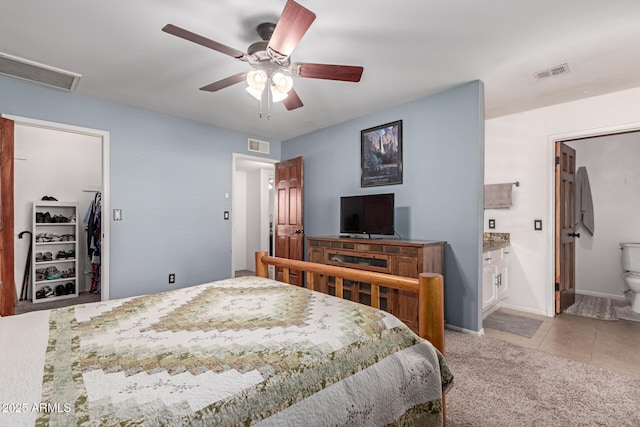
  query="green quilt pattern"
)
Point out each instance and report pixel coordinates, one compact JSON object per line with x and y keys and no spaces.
{"x":153,"y":360}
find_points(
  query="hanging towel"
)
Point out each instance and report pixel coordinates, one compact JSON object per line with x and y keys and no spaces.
{"x":498,"y":196}
{"x":584,"y":202}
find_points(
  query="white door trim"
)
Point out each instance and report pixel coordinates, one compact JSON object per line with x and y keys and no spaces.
{"x":104,"y":136}
{"x":234,"y":158}
{"x":551,"y":178}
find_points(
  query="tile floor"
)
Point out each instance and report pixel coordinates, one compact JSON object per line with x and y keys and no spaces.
{"x":613,"y":345}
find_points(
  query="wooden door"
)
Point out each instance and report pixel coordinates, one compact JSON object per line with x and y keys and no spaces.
{"x":565,"y":222}
{"x":289,"y":227}
{"x":8,"y":289}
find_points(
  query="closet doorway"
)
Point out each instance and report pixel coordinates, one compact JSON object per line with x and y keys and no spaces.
{"x":252,"y":205}
{"x":70,"y":164}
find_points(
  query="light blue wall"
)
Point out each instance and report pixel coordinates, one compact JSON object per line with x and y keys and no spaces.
{"x":168,"y":176}
{"x":442,"y":190}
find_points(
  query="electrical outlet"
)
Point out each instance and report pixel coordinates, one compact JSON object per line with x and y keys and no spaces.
{"x":172,"y":278}
{"x":492,"y":223}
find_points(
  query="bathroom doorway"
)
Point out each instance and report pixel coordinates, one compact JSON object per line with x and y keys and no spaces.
{"x":610,"y":157}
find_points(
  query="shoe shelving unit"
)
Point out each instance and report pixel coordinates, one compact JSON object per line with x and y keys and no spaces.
{"x":55,"y":251}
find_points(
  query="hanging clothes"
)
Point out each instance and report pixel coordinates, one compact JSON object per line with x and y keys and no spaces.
{"x":93,"y":220}
{"x":584,"y":201}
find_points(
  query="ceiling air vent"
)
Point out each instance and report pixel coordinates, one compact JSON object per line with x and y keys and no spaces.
{"x":38,"y":73}
{"x":258,"y":146}
{"x":553,"y":71}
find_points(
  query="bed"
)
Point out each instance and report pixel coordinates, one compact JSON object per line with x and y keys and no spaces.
{"x":244,"y":351}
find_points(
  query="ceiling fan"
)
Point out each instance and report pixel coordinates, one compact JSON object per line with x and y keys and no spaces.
{"x":271,"y":58}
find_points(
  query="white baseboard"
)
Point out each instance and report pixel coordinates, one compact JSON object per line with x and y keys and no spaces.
{"x":527,"y":309}
{"x":464,"y":330}
{"x":601,"y":294}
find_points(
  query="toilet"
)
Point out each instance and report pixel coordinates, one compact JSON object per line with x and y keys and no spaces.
{"x":631,"y":267}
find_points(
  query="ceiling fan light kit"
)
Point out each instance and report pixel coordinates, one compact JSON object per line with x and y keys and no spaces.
{"x":271,"y":60}
{"x":281,"y":86}
{"x":256,"y":81}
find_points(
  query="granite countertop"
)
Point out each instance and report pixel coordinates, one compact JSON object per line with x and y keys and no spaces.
{"x":491,"y":241}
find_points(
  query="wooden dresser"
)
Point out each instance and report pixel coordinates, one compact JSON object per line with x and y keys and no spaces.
{"x":406,"y":258}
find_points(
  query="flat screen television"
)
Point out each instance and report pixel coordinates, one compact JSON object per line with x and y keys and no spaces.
{"x":367,"y":214}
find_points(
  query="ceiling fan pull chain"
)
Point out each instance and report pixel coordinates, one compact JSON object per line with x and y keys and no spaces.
{"x":268,"y":89}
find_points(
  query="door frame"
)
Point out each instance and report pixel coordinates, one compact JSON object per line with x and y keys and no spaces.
{"x":551,"y":183}
{"x":105,"y":221}
{"x":234,"y":158}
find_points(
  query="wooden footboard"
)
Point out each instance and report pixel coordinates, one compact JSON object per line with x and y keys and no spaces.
{"x":429,"y":287}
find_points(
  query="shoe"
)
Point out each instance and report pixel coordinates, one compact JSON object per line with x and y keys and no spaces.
{"x":43,"y":237}
{"x":39,"y":257}
{"x":48,"y":291}
{"x":40,"y":293}
{"x":60,"y":219}
{"x":60,"y":290}
{"x":70,"y":253}
{"x":69,"y":288}
{"x":49,"y":198}
{"x":53,"y":273}
{"x":61,"y":255}
{"x":47,"y":218}
{"x":48,"y":256}
{"x":39,"y":217}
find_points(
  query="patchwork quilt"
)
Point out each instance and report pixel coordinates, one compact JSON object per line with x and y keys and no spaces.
{"x":244,"y":351}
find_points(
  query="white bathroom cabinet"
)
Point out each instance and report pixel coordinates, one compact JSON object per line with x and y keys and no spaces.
{"x":495,"y":278}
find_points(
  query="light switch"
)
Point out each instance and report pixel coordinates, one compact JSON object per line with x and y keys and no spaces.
{"x":117,"y":214}
{"x":492,"y":223}
{"x":537,"y":224}
{"x":226,"y":215}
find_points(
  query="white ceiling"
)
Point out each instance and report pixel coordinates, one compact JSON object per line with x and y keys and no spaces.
{"x":409,"y":49}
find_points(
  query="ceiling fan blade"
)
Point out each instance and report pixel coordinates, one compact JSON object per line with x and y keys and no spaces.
{"x":293,"y":23}
{"x":203,"y":41}
{"x":345,"y":73}
{"x":221,"y":84}
{"x":292,"y":101}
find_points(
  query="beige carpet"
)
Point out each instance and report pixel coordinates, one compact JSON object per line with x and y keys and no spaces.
{"x":500,"y":384}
